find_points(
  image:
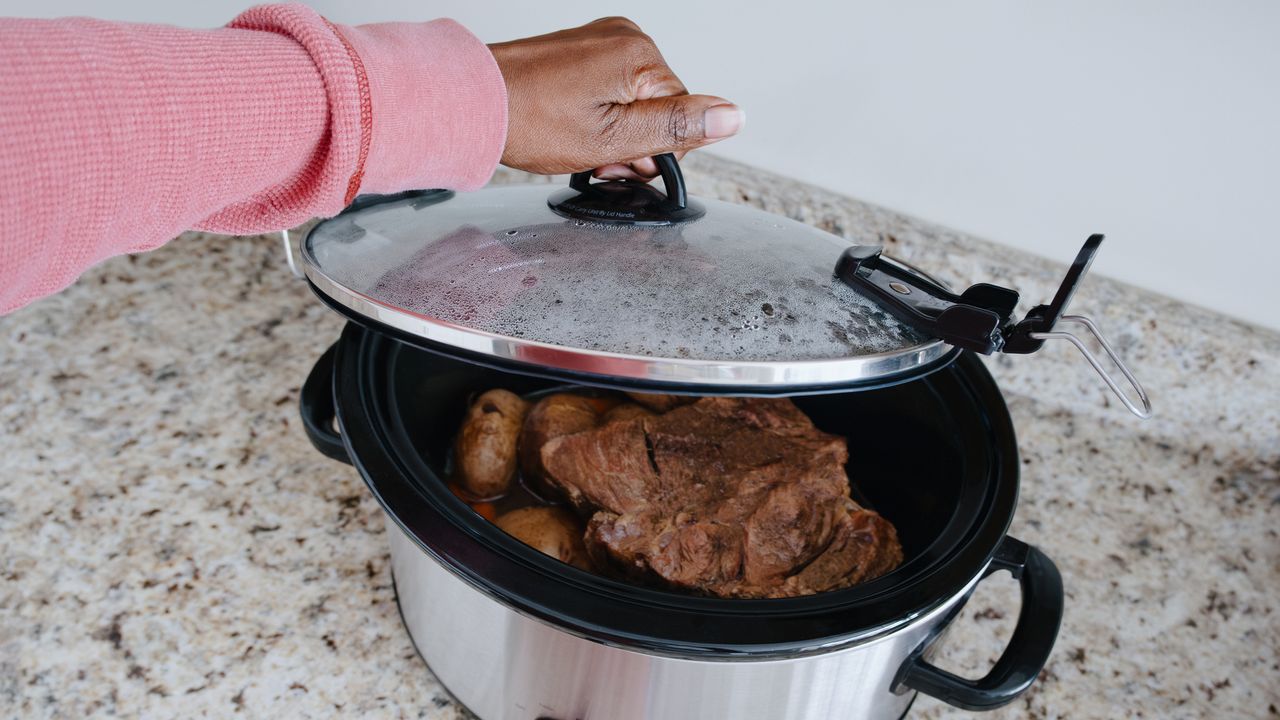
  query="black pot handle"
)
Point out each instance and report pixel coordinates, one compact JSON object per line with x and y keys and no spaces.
{"x":315,"y":405}
{"x":1028,"y":649}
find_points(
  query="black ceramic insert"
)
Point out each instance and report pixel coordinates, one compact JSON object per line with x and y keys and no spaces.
{"x":936,"y":456}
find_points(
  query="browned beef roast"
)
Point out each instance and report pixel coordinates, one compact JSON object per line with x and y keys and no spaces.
{"x":659,"y":402}
{"x":734,"y":497}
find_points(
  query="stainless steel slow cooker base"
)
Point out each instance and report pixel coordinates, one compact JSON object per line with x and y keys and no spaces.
{"x":516,"y":635}
{"x":503,"y":665}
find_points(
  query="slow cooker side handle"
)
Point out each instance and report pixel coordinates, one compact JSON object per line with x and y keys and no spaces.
{"x":1028,"y":649}
{"x":315,"y":405}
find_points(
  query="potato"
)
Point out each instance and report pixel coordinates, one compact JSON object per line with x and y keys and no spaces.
{"x":626,"y":411}
{"x":551,"y":531}
{"x":552,"y":416}
{"x":486,"y":448}
{"x":660,"y":403}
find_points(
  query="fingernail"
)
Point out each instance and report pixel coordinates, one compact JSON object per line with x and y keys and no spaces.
{"x":721,"y":121}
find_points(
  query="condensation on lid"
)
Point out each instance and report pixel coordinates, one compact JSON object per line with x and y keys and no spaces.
{"x":738,"y":285}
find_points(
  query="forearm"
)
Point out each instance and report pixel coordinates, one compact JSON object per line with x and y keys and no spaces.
{"x":115,"y":137}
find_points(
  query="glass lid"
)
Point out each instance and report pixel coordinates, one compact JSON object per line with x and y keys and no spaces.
{"x":618,"y":281}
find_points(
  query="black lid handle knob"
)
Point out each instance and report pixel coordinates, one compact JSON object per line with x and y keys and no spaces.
{"x":668,"y":168}
{"x":632,"y":203}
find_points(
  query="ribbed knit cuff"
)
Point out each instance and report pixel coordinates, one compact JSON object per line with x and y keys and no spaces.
{"x":438,"y":103}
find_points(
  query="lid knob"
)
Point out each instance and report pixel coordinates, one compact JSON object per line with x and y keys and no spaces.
{"x":628,"y":203}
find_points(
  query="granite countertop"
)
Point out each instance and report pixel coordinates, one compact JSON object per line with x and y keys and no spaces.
{"x":171,"y":544}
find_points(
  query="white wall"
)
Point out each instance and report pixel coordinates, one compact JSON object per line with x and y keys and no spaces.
{"x":1032,"y":124}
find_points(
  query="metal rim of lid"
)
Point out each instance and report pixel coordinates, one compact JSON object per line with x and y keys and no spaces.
{"x":744,"y":374}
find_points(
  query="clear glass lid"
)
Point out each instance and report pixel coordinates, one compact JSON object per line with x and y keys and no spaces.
{"x":722,"y":296}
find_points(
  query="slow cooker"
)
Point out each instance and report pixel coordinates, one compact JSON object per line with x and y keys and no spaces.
{"x":620,"y":285}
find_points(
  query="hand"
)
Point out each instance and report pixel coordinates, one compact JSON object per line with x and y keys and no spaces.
{"x":601,"y":96}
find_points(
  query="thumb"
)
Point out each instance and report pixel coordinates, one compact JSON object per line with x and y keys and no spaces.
{"x":674,"y":123}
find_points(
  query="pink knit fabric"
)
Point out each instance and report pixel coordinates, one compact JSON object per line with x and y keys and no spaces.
{"x":115,"y":137}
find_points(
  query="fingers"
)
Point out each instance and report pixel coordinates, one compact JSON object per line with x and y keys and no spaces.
{"x":601,"y":96}
{"x":642,"y":170}
{"x":670,"y":124}
{"x":620,"y":171}
{"x":615,"y":21}
{"x":644,"y":166}
{"x":655,"y":80}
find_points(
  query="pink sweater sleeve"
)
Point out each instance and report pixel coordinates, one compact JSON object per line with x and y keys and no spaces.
{"x":116,"y":137}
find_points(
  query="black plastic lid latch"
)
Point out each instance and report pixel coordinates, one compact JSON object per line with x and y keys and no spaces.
{"x":981,"y":318}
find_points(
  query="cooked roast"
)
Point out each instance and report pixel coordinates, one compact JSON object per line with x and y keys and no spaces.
{"x":659,"y":402}
{"x":625,"y":411}
{"x":733,"y":497}
{"x":551,"y":417}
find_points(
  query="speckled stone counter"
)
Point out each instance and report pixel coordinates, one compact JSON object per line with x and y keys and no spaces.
{"x":172,"y":546}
